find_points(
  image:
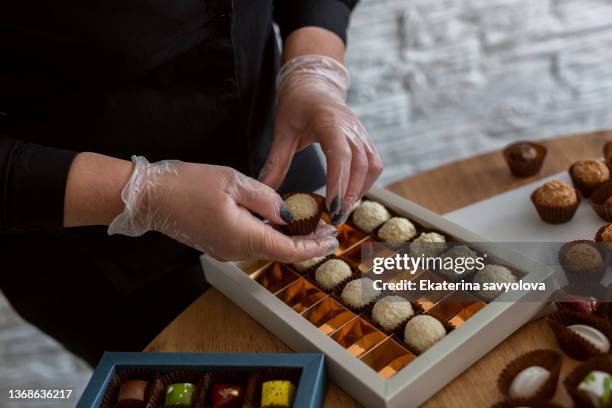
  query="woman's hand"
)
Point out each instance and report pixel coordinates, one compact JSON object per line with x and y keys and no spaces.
{"x":311,"y":108}
{"x":207,"y":207}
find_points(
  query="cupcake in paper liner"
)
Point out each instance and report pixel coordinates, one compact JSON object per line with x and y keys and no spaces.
{"x":195,"y":383}
{"x":524,"y":158}
{"x":588,"y":175}
{"x":601,"y":201}
{"x":581,"y":336}
{"x":607,"y":152}
{"x":556,"y":201}
{"x":532,"y":375}
{"x":604,"y":235}
{"x":590,"y":384}
{"x":306,"y":210}
{"x":583,"y":261}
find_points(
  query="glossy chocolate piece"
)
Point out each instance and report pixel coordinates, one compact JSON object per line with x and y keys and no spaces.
{"x":277,"y":394}
{"x":227,"y":395}
{"x":179,"y":394}
{"x":133,"y":390}
{"x":358,"y":336}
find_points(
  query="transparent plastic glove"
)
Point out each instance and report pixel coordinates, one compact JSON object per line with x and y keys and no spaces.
{"x":311,"y":108}
{"x":206,"y":207}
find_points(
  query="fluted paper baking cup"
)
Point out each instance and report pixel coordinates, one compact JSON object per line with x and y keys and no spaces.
{"x":571,"y":343}
{"x":257,"y":378}
{"x":583,"y":275}
{"x":307,"y":225}
{"x":122,"y":375}
{"x":573,"y":379}
{"x":548,"y":359}
{"x":587,"y":189}
{"x":598,"y":201}
{"x":556,"y":214}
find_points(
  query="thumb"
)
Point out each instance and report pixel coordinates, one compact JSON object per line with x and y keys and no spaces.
{"x":279,"y":159}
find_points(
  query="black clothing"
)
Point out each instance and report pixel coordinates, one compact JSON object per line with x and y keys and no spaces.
{"x":69,"y":290}
{"x":191,"y":80}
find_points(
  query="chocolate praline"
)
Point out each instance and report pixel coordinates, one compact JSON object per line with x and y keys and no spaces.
{"x":227,"y":395}
{"x":522,"y":152}
{"x":133,"y":390}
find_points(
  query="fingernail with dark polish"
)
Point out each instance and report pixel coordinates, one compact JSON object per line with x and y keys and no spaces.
{"x":334,"y":246}
{"x":337,"y":218}
{"x":285,"y":214}
{"x":334,"y":205}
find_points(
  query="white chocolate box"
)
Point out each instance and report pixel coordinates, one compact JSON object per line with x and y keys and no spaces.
{"x":421,"y":376}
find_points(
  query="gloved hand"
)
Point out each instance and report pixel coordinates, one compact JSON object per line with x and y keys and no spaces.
{"x":206,"y":207}
{"x":311,"y":108}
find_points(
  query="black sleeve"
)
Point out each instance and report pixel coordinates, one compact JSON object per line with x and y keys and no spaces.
{"x":32,"y":184}
{"x":332,"y":15}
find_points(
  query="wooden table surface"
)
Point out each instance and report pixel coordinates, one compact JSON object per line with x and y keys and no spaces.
{"x":214,"y":324}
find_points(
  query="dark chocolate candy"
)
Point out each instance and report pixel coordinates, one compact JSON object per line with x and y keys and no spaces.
{"x":523,"y":152}
{"x":227,"y":395}
{"x":133,"y":390}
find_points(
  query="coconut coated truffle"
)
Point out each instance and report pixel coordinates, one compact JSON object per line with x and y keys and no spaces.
{"x":429,"y":244}
{"x":309,"y":263}
{"x":302,"y":206}
{"x":331,"y":273}
{"x":455,"y":253}
{"x":359,"y":292}
{"x":369,"y":215}
{"x":493,"y":274}
{"x":422,"y":332}
{"x":397,"y":230}
{"x":581,"y":257}
{"x":391,"y":311}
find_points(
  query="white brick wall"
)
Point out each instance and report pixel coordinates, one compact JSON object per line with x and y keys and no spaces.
{"x":436,"y":80}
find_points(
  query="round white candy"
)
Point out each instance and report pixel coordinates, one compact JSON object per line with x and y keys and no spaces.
{"x":303,"y":265}
{"x":359,"y":292}
{"x":428,"y":244}
{"x":527,"y":382}
{"x":592,"y":335}
{"x":331,"y":273}
{"x":422,"y":332}
{"x":369,"y":215}
{"x":493,"y":274}
{"x":302,"y":206}
{"x":397,"y":230}
{"x":391,"y":311}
